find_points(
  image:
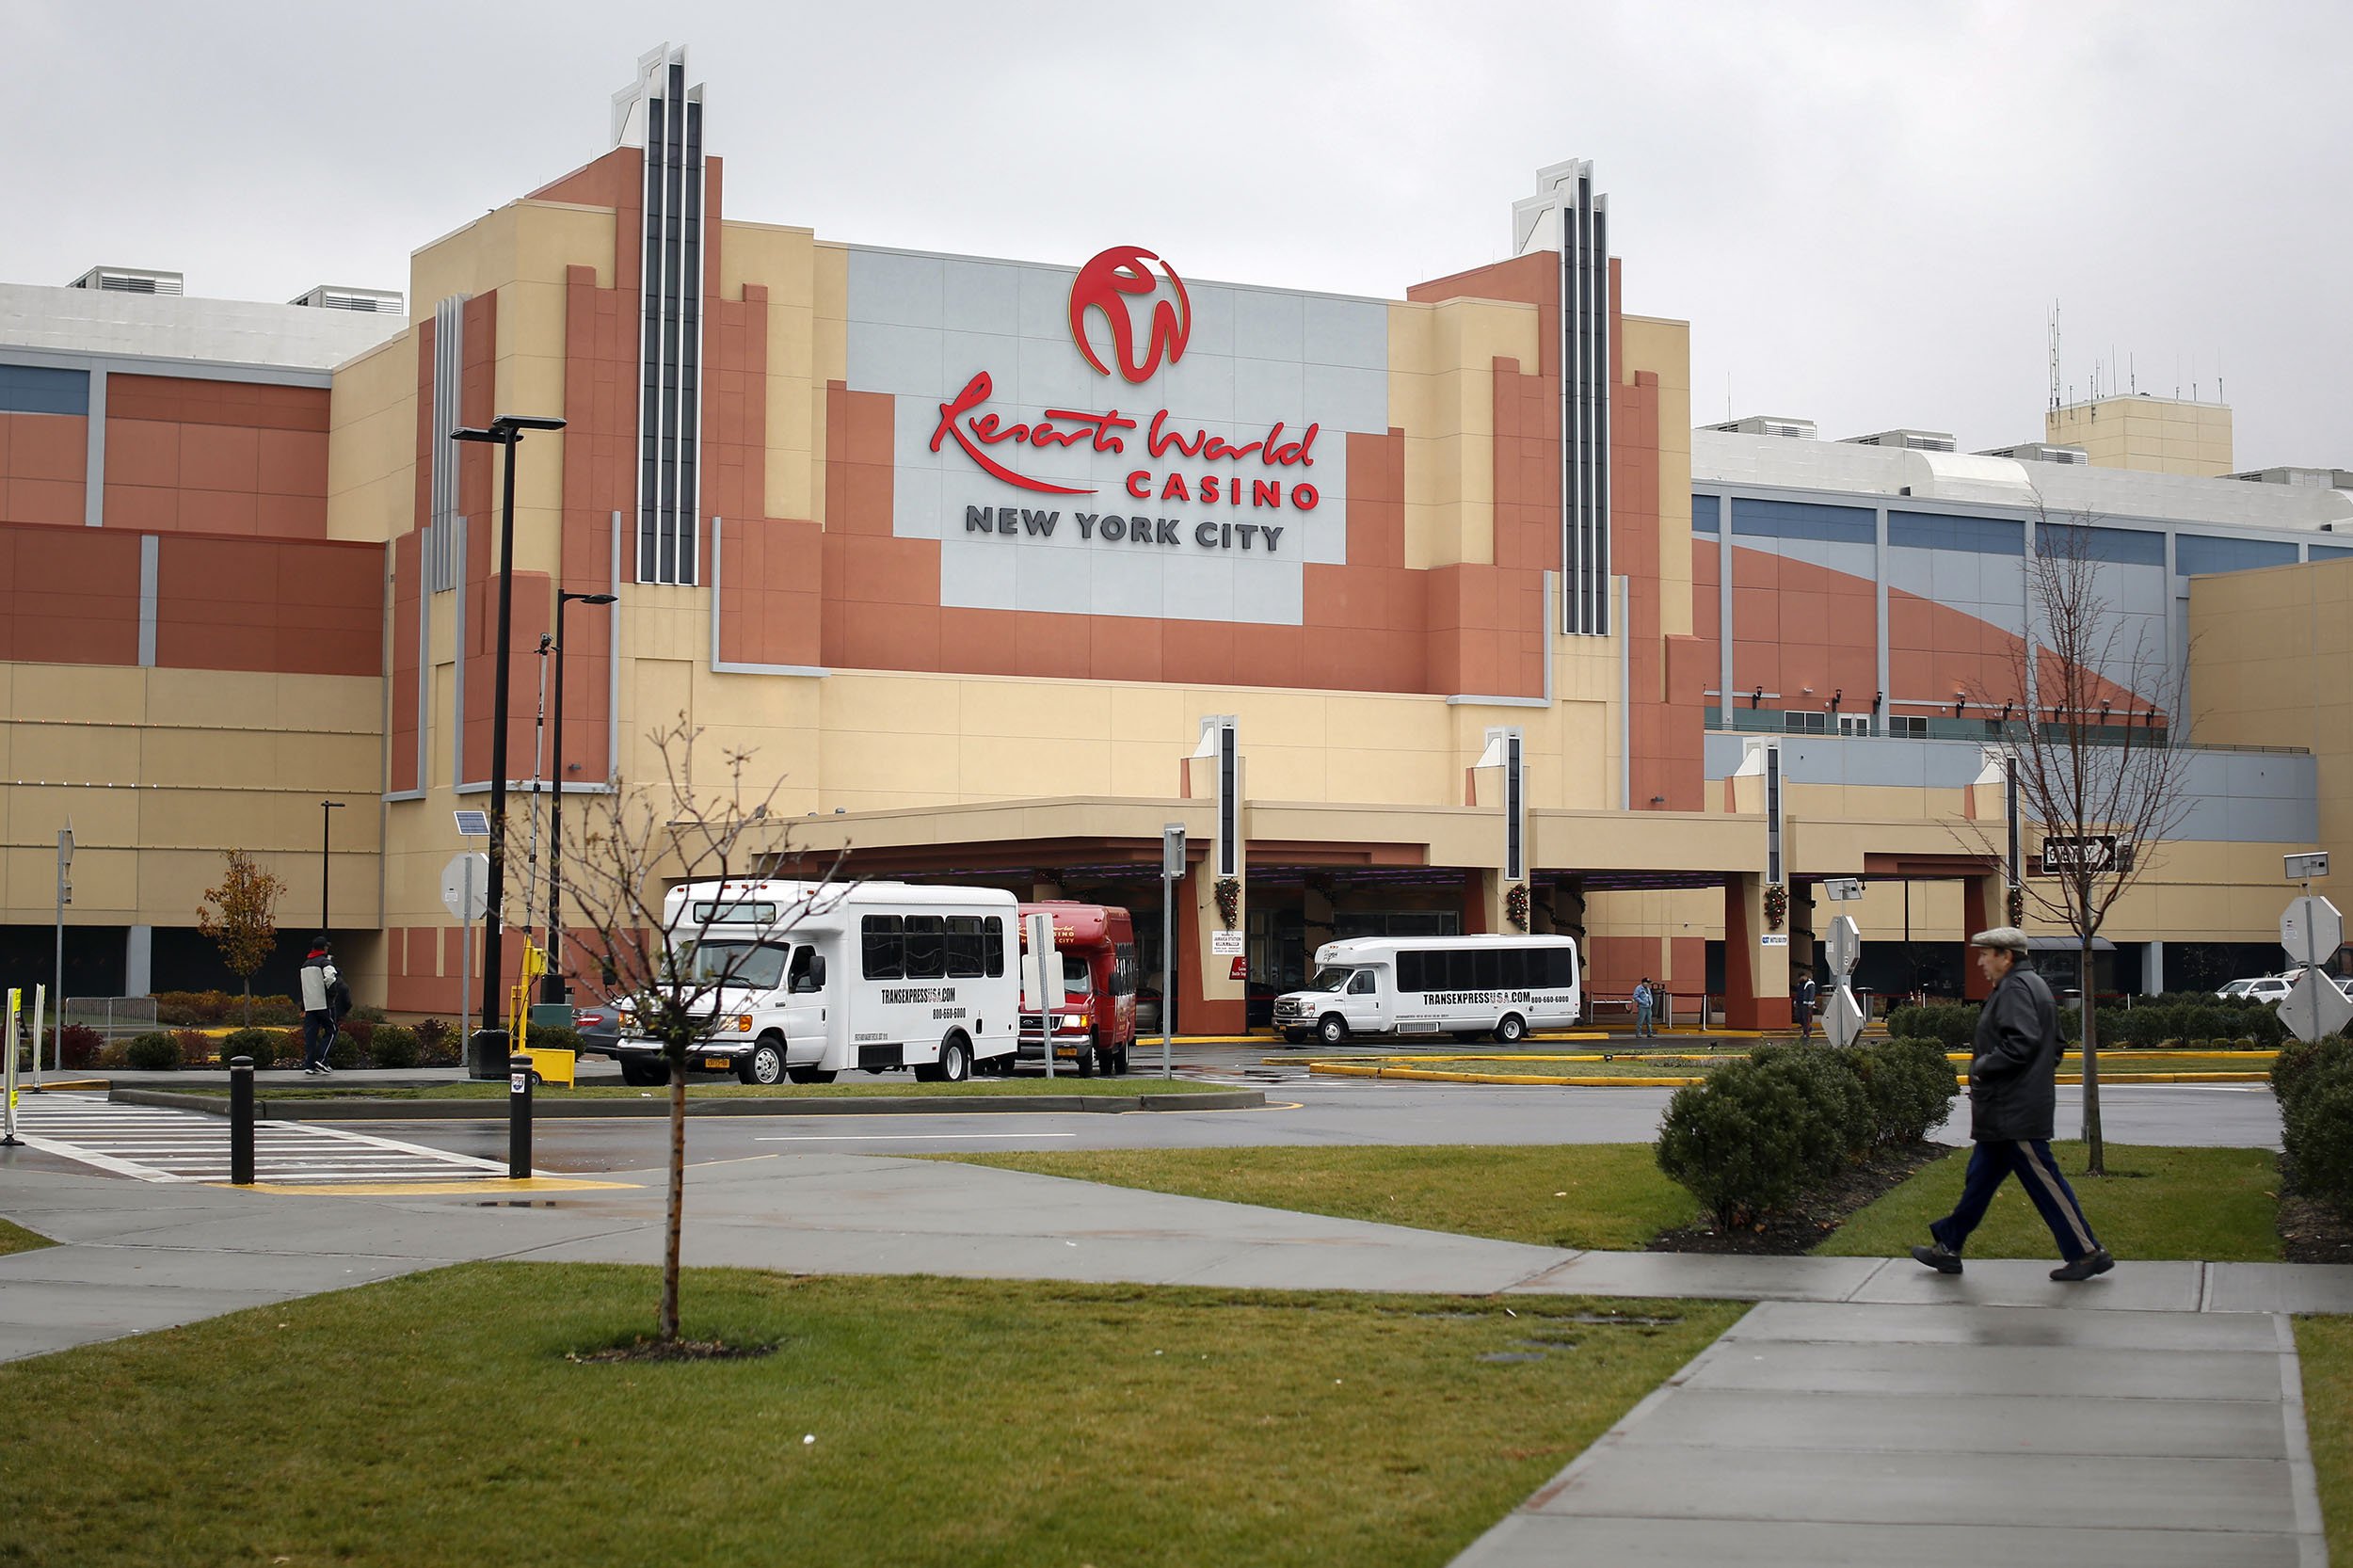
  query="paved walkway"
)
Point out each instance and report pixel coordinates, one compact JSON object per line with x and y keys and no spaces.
{"x":1869,"y":1411}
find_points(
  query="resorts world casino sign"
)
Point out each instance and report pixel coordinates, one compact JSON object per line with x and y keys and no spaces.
{"x":1229,"y":489}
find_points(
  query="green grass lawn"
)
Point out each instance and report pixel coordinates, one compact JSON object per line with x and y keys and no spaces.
{"x":2217,"y":1205}
{"x":17,"y":1238}
{"x":1609,"y":1196}
{"x":2325,"y":1346}
{"x":435,"y":1419}
{"x":894,"y":1087}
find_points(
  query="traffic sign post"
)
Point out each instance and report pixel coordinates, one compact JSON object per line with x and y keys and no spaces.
{"x":2312,"y":930}
{"x":1041,"y":979}
{"x":1172,"y":872}
{"x":465,"y":893}
{"x":1842,"y":1016}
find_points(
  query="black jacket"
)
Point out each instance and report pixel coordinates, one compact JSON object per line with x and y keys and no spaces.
{"x":2013,"y":1074}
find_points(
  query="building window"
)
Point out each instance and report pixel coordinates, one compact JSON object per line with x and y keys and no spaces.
{"x":670,"y":302}
{"x":1804,"y":721}
{"x":1910,"y":726}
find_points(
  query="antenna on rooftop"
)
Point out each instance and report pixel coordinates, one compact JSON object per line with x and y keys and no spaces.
{"x":2054,"y":325}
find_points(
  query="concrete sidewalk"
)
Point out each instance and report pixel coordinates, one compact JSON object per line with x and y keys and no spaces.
{"x":1869,"y":1411}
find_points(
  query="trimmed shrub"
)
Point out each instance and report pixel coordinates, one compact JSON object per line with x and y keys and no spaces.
{"x":2299,"y":1061}
{"x":1739,"y":1141}
{"x":114,"y":1053}
{"x":437,"y":1044}
{"x":1828,"y":1080}
{"x":196,"y":1047}
{"x":152,"y":1053}
{"x":290,"y":1046}
{"x":369,"y":1015}
{"x":1952,"y":1024}
{"x":1911,"y":1086}
{"x":395,"y":1046}
{"x":2316,"y":1131}
{"x":351,"y":1045}
{"x":79,"y":1046}
{"x":259,"y":1044}
{"x":553,"y":1037}
{"x":192,"y":1008}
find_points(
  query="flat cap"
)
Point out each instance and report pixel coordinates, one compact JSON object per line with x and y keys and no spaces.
{"x":2008,"y":936}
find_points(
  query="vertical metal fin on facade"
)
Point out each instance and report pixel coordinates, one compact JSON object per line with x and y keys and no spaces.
{"x":1514,"y":807}
{"x":449,"y":370}
{"x":1773,"y":814}
{"x":662,"y":114}
{"x":1566,"y":214}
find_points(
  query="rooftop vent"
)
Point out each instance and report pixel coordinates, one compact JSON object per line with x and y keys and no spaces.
{"x":130,"y":279}
{"x":1909,"y":441}
{"x":327,"y":298}
{"x":2302,"y":478}
{"x":1767,"y":424}
{"x":2039,"y":451}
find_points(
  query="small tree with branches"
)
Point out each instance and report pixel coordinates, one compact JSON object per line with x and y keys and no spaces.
{"x":668,"y":971}
{"x":2088,"y":773}
{"x":241,"y":916}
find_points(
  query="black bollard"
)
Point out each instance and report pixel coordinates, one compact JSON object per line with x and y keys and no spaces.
{"x":518,"y":1117}
{"x":241,"y":1120}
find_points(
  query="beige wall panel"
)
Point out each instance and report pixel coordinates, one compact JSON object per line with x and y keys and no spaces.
{"x":92,"y":692}
{"x":74,"y":753}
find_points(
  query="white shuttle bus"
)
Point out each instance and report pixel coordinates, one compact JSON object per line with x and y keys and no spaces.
{"x":871,"y":975}
{"x":1500,"y":987}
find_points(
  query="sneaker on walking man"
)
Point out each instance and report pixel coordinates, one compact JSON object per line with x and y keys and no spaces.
{"x":2014,"y":1073}
{"x":325,"y":1000}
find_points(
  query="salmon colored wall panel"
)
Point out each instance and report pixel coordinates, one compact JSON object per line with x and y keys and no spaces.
{"x":407,"y":579}
{"x":51,"y":447}
{"x":243,"y":404}
{"x":69,"y":595}
{"x":294,"y":607}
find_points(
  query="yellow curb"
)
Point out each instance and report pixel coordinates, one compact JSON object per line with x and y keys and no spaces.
{"x":423,"y":1189}
{"x":61,"y":1085}
{"x":1424,"y":1075}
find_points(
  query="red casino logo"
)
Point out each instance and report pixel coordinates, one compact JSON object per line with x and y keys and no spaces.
{"x":1103,"y":284}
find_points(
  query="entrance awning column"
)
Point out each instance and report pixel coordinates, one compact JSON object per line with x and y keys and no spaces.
{"x":1984,"y":904}
{"x":1756,"y":977}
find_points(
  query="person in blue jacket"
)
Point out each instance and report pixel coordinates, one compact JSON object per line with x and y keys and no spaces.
{"x":2013,"y":1075}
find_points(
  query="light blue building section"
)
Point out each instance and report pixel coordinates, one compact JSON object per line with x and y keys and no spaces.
{"x":2230,"y":797}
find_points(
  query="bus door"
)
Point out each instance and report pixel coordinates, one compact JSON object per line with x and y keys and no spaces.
{"x":803,"y":1003}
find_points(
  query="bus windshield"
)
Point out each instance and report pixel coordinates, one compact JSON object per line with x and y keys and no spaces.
{"x":757,"y":965}
{"x":1331,"y":978}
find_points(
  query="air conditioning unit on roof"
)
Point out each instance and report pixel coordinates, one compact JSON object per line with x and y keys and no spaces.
{"x":130,"y":279}
{"x":329,"y":297}
{"x":2039,"y":451}
{"x":1909,"y":441}
{"x":1767,"y":424}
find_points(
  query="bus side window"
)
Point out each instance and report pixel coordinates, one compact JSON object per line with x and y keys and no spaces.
{"x":927,"y":948}
{"x":1517,"y":963}
{"x":1360,"y":984}
{"x":1560,"y":969}
{"x":801,"y":978}
{"x":1459,"y":975}
{"x":1409,"y":972}
{"x":968,"y":959}
{"x":1488,"y":968}
{"x":883,"y":940}
{"x":1124,"y":969}
{"x":993,"y":939}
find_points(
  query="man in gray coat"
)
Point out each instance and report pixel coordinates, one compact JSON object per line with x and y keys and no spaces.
{"x":2013,"y":1093}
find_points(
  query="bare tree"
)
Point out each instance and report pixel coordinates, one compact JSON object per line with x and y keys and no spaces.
{"x":661,"y":969}
{"x":2098,"y":766}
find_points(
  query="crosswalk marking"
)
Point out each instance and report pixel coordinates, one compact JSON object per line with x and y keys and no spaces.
{"x":151,"y":1144}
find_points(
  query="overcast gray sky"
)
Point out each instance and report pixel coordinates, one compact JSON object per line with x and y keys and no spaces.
{"x":1866,"y":211}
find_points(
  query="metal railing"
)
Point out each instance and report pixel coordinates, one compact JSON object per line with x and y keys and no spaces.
{"x":114,"y":1018}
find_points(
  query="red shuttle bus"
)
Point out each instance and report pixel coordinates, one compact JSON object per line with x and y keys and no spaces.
{"x":1097,"y":1022}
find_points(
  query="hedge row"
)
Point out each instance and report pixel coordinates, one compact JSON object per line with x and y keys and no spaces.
{"x":1760,"y":1131}
{"x":2147,"y":1025}
{"x":2314,"y":1086}
{"x":360,"y":1043}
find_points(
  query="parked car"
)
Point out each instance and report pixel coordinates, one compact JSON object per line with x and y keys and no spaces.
{"x":2270,"y":990}
{"x":2234,"y":990}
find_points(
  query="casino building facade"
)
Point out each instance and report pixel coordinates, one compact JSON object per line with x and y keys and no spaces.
{"x":1425,"y":614}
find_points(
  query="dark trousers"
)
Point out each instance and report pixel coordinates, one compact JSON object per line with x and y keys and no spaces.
{"x":318,"y":1033}
{"x":2030,"y":1161}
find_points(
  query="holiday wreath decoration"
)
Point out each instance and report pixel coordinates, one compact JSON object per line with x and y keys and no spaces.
{"x":1228,"y":891}
{"x":1515,"y":906}
{"x":1776,"y":906}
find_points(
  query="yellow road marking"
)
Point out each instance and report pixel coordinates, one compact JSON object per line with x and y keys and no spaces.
{"x":424,"y":1189}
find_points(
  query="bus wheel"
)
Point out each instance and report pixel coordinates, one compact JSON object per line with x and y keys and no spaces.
{"x":644,"y":1075}
{"x":766,"y":1062}
{"x":1512,"y":1029}
{"x":955,"y":1059}
{"x":1332,"y":1031}
{"x":1086,"y":1061}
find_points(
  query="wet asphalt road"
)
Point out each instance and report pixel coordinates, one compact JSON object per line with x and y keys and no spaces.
{"x":1300,"y":1111}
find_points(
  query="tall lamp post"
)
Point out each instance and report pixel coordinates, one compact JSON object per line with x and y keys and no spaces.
{"x":327,"y":821}
{"x":485,"y":1053}
{"x":556,"y":987}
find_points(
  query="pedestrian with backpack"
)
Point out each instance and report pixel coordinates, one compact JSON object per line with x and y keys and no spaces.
{"x":325,"y":1001}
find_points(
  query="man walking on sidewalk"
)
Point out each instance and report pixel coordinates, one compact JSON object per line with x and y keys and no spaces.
{"x":2013,"y":1074}
{"x":323,"y":1001}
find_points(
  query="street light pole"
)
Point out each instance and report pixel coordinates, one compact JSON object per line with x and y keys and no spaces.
{"x":556,"y":988}
{"x":486,"y":1052}
{"x":327,"y":819}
